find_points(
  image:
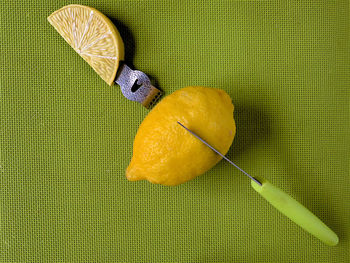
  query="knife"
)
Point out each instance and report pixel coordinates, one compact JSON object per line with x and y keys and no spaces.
{"x":284,"y":203}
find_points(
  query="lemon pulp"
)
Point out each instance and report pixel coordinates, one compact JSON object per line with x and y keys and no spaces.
{"x":93,"y":36}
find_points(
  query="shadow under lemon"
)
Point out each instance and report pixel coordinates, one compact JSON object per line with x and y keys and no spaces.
{"x":253,"y":127}
{"x":130,"y":48}
{"x":128,"y":39}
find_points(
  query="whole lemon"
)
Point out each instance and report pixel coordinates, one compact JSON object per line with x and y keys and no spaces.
{"x":165,"y":153}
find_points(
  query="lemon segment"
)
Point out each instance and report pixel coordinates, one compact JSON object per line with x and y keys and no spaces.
{"x":93,"y":36}
{"x":165,"y":153}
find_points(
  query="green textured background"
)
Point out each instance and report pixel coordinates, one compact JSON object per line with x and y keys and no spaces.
{"x":66,"y":137}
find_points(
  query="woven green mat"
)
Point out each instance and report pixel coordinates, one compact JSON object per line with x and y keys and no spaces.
{"x":66,"y":137}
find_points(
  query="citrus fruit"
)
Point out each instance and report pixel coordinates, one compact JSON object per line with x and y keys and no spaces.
{"x":165,"y":153}
{"x":93,"y":36}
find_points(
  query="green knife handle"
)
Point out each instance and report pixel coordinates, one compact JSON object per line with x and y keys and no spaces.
{"x":295,"y":211}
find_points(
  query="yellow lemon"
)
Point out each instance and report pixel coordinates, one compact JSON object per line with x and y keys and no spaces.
{"x":165,"y":153}
{"x":93,"y":36}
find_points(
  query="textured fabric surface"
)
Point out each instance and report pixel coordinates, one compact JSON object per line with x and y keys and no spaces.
{"x":66,"y":137}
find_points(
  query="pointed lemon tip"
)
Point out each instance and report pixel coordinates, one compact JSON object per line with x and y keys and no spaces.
{"x":132,"y":175}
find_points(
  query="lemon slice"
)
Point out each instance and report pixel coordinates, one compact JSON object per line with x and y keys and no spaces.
{"x":93,"y":36}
